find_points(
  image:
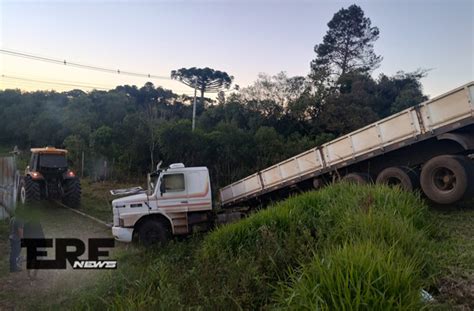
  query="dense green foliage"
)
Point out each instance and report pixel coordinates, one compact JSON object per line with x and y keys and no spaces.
{"x":371,"y":243}
{"x":134,"y":127}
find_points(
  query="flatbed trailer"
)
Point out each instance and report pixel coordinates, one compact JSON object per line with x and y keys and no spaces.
{"x":404,"y":141}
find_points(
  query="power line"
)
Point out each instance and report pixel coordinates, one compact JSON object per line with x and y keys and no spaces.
{"x":5,"y":85}
{"x":76,"y":84}
{"x":88,"y":67}
{"x":38,"y":86}
{"x":79,"y":65}
{"x":33,"y":79}
{"x":66,"y":83}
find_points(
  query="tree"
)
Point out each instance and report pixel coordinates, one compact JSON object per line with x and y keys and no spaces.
{"x":204,"y":79}
{"x":101,"y":141}
{"x":347,"y":46}
{"x":153,"y":102}
{"x":279,"y":89}
{"x":221,"y":98}
{"x":270,"y":146}
{"x":399,"y":92}
{"x":75,"y":146}
{"x":350,"y":108}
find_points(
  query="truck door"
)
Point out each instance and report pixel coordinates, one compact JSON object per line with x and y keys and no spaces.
{"x":173,"y":193}
{"x":199,"y":191}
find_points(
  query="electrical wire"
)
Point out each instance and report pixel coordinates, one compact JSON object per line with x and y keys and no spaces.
{"x":87,"y":67}
{"x":65,"y":83}
{"x":53,"y":81}
{"x":31,"y":81}
{"x":79,"y":65}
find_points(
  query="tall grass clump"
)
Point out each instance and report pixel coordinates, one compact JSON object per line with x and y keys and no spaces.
{"x":340,"y":247}
{"x":355,"y":276}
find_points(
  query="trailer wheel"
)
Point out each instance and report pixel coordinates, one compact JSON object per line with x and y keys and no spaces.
{"x":357,"y":178}
{"x":29,"y":191}
{"x":447,"y":179}
{"x":72,"y":193}
{"x":403,"y":177}
{"x":318,"y":183}
{"x":153,"y":232}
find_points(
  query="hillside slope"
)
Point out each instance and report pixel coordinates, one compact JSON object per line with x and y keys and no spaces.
{"x":342,"y":246}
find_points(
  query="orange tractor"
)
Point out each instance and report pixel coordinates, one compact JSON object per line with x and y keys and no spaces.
{"x":48,"y":177}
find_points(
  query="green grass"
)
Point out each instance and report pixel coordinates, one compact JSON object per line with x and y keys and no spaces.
{"x":343,"y":247}
{"x":454,"y":250}
{"x":362,"y":275}
{"x":372,"y":243}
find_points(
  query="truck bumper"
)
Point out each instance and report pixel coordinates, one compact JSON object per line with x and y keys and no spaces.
{"x":122,"y":234}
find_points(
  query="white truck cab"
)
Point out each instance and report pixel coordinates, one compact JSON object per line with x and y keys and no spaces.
{"x":178,"y":198}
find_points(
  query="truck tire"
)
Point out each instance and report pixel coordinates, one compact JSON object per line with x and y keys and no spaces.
{"x":29,"y":191}
{"x":153,"y":232}
{"x":318,"y":183}
{"x":447,"y":179}
{"x":357,"y":178}
{"x":72,"y":193}
{"x":403,"y":177}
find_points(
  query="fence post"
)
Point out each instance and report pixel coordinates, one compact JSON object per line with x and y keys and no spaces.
{"x":82,"y":165}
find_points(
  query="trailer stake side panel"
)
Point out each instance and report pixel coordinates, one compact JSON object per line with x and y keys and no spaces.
{"x":446,"y":112}
{"x":446,"y":109}
{"x":401,"y":126}
{"x":245,"y":187}
{"x":291,"y":169}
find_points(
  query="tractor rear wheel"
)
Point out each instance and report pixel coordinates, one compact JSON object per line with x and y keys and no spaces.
{"x":72,"y":193}
{"x":29,"y":191}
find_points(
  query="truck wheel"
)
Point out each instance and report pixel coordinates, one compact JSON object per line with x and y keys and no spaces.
{"x":447,"y":179}
{"x":153,"y":232}
{"x":318,"y":183}
{"x":403,"y":177}
{"x":29,"y":191}
{"x":72,"y":193}
{"x":357,"y":178}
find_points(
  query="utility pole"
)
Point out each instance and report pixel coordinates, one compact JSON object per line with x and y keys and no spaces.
{"x":194,"y":103}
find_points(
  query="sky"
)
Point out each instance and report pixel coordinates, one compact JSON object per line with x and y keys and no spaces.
{"x":243,"y":38}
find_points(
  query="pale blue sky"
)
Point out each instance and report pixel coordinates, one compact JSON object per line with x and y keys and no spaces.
{"x":240,"y":37}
